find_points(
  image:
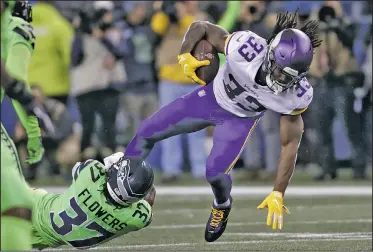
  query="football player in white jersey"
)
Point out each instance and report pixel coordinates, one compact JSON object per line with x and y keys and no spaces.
{"x":259,"y":74}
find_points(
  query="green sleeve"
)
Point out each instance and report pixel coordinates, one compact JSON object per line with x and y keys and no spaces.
{"x":228,"y":20}
{"x":230,"y":15}
{"x":30,"y":123}
{"x":17,"y":62}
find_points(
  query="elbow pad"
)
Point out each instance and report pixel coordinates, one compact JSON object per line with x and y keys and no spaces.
{"x":18,"y":91}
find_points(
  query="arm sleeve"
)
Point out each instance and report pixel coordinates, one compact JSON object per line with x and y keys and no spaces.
{"x":17,"y":64}
{"x":230,"y":15}
{"x":6,"y":80}
{"x":18,"y":60}
{"x":30,"y":123}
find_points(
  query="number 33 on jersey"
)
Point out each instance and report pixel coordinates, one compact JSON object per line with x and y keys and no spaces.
{"x":235,"y":88}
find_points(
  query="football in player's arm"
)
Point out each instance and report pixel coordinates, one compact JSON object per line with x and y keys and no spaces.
{"x":104,"y":201}
{"x":291,"y":124}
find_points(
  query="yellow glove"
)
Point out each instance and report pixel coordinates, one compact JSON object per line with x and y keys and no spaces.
{"x":190,"y":65}
{"x":274,"y":203}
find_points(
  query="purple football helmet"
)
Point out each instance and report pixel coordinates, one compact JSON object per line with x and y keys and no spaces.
{"x":288,"y":59}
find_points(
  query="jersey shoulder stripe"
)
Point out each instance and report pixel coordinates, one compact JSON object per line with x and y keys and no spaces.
{"x":226,"y":43}
{"x":79,"y":167}
{"x":21,"y":32}
{"x":298,"y":111}
{"x":24,"y":29}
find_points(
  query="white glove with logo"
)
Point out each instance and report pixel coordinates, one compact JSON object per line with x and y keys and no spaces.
{"x":112,"y":159}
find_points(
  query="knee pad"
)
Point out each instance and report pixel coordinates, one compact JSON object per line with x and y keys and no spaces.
{"x":18,"y":212}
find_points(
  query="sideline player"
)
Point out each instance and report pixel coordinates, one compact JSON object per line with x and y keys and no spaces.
{"x":104,"y":201}
{"x":17,"y":53}
{"x":16,"y":49}
{"x":259,"y":74}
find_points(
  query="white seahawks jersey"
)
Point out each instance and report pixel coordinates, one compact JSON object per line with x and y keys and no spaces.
{"x":235,"y":88}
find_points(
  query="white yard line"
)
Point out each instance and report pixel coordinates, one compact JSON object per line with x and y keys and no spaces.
{"x":187,"y":244}
{"x":192,"y":211}
{"x":238,"y":224}
{"x":257,"y":190}
{"x":305,"y":235}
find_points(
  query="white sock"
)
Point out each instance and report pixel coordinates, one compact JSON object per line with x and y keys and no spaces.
{"x":225,"y":204}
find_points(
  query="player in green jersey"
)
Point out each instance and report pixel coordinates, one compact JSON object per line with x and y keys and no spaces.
{"x":104,"y":201}
{"x":16,"y":48}
{"x":16,"y":51}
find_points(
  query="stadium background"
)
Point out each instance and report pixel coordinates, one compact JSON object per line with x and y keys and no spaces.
{"x":358,"y":13}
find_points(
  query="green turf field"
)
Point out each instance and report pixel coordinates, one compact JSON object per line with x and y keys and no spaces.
{"x":323,"y":223}
{"x":240,"y":177}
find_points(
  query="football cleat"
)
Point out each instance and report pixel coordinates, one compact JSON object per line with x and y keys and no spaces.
{"x":217,"y":222}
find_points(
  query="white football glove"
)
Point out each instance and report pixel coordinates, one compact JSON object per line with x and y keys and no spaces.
{"x":112,"y":159}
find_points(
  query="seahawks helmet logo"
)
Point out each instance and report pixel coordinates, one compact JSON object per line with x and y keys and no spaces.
{"x":126,"y":191}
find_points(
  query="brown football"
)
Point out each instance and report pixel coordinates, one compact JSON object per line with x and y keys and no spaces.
{"x":205,"y":51}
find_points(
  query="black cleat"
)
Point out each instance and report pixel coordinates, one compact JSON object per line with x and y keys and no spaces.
{"x":217,"y":222}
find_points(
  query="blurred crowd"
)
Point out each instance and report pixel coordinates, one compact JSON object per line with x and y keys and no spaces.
{"x":101,"y":67}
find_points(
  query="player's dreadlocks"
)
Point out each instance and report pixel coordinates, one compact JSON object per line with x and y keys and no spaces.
{"x":288,"y":20}
{"x":284,"y":21}
{"x":311,"y":29}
